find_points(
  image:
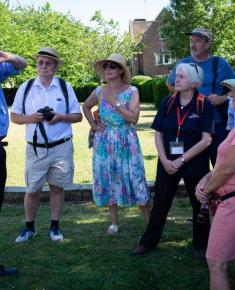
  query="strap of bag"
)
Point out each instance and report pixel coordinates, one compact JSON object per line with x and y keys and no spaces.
{"x":64,"y":90}
{"x":63,"y":87}
{"x":199,"y":103}
{"x":35,"y":137}
{"x":26,"y":91}
{"x":215,"y":61}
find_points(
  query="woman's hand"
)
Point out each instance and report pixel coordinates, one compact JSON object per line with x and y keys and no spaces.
{"x":178,"y":163}
{"x":170,"y":166}
{"x":98,"y":127}
{"x":110,"y":98}
{"x":200,"y":194}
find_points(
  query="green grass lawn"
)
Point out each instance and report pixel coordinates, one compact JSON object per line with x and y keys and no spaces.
{"x":82,"y":155}
{"x":88,"y":259}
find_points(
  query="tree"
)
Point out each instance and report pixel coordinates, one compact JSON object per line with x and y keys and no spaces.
{"x":25,"y":29}
{"x":216,"y":15}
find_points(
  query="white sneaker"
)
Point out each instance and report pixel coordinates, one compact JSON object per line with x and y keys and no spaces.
{"x":55,"y":235}
{"x":25,"y":236}
{"x":112,"y":230}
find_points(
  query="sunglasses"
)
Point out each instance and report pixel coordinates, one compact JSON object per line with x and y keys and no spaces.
{"x":47,"y":63}
{"x":111,"y":65}
{"x":195,"y":66}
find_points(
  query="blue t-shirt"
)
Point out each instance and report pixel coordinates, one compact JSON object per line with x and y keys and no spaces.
{"x":191,"y":133}
{"x":224,"y":71}
{"x":6,"y":70}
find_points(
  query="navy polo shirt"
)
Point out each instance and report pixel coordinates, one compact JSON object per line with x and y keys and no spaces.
{"x":191,"y":132}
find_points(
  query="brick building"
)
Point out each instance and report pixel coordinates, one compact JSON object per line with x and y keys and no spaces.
{"x":155,"y":57}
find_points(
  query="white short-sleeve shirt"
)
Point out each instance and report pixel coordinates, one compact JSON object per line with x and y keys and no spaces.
{"x":38,"y":97}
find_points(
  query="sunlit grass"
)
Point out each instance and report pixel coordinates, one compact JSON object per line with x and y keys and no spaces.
{"x":82,"y":155}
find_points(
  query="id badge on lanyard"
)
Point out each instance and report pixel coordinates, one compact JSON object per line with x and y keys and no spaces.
{"x":177,"y":147}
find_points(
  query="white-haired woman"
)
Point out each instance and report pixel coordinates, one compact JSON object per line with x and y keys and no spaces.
{"x":183,"y":125}
{"x":118,"y":169}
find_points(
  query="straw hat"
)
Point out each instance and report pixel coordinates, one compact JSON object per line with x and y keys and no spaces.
{"x":119,"y":59}
{"x":229,"y":83}
{"x":50,"y":53}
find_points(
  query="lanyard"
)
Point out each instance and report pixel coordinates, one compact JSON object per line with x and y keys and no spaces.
{"x":180,"y":122}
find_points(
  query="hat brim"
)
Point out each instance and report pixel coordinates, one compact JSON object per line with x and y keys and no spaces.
{"x":230,"y":84}
{"x":198,"y":34}
{"x":98,"y":67}
{"x":58,"y":60}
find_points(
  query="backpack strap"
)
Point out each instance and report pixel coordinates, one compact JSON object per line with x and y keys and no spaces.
{"x":200,"y":103}
{"x":64,"y":90}
{"x":170,"y":102}
{"x":26,"y":91}
{"x":215,"y":61}
{"x":63,"y":87}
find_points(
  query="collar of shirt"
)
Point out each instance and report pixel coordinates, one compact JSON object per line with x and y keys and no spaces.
{"x":191,"y":103}
{"x":54,"y":83}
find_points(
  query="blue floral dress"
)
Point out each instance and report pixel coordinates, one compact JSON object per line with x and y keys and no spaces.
{"x":118,"y":168}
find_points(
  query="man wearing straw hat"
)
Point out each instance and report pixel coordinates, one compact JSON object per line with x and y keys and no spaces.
{"x":47,"y":106}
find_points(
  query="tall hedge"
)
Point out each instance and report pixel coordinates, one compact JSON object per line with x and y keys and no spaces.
{"x":160,"y":91}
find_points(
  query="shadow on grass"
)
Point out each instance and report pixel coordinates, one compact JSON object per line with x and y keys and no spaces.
{"x":149,"y":157}
{"x":89,"y":259}
{"x":147,"y":107}
{"x":144,"y":126}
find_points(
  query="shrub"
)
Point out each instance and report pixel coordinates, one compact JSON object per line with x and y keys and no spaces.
{"x":9,"y":93}
{"x":146,"y":88}
{"x":83,"y":91}
{"x":160,"y":91}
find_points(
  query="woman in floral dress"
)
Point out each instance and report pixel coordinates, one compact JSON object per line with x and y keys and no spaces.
{"x":118,"y":169}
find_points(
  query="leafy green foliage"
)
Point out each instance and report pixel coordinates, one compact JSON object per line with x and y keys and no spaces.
{"x":160,"y":91}
{"x":217,"y":15}
{"x":25,"y":29}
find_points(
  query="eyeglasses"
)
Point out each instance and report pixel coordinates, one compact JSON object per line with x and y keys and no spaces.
{"x":46,"y":63}
{"x":111,"y":65}
{"x":195,"y":66}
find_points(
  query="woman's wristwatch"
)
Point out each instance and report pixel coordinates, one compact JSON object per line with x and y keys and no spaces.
{"x":182,"y":159}
{"x":117,"y":105}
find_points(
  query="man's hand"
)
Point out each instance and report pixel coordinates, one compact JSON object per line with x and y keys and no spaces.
{"x":34,"y":118}
{"x":216,"y":99}
{"x":4,"y":56}
{"x":57,"y":118}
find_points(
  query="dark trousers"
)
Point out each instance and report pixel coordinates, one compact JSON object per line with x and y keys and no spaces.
{"x":220,"y":134}
{"x":165,"y":190}
{"x":3,"y":172}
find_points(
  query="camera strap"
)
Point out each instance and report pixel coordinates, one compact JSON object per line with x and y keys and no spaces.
{"x":35,"y":137}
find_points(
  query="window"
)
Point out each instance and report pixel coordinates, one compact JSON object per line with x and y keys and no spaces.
{"x":162,"y":58}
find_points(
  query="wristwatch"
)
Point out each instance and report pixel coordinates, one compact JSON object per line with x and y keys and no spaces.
{"x":117,"y":105}
{"x":182,"y":159}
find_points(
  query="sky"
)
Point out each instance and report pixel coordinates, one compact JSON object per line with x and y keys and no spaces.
{"x":120,"y":10}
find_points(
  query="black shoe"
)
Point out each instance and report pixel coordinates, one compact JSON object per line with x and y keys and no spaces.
{"x":140,"y":250}
{"x":200,"y":255}
{"x":8,"y":271}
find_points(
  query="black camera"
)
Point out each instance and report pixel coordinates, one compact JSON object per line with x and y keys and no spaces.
{"x":203,"y":215}
{"x":47,"y":113}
